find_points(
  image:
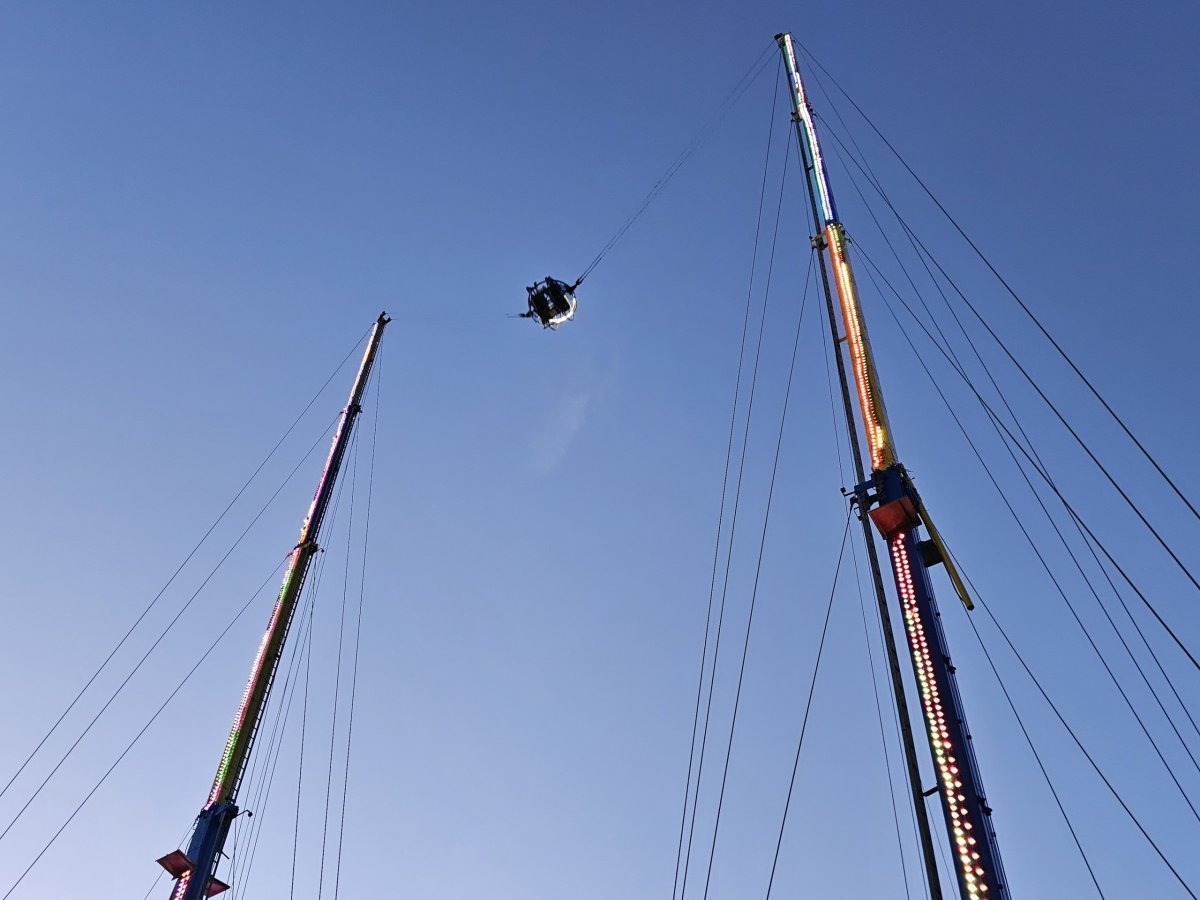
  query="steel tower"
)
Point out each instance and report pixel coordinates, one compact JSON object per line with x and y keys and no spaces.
{"x":195,"y":869}
{"x":888,"y":497}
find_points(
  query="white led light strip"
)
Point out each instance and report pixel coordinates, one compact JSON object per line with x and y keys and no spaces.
{"x":939,"y":735}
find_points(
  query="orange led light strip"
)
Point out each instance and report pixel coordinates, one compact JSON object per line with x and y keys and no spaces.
{"x":870,"y":400}
{"x":943,"y":749}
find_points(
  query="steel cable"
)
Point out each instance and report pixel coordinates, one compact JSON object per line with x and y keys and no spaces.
{"x":728,"y":562}
{"x":1028,"y":453}
{"x":284,"y":708}
{"x":1037,"y":552}
{"x":887,"y":761}
{"x":1146,"y":453}
{"x":812,"y":687}
{"x":724,"y":590}
{"x":724,"y":487}
{"x":841,"y":453}
{"x":1078,"y":743}
{"x":300,"y":767}
{"x":1057,"y":413}
{"x":157,"y":641}
{"x":762,"y":540}
{"x":179,"y":569}
{"x":337,"y":878}
{"x":761,"y":551}
{"x":337,"y":678}
{"x":143,"y":730}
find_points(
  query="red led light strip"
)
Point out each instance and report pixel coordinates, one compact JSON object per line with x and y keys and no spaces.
{"x":939,"y":735}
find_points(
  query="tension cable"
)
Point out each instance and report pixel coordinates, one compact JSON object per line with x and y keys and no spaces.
{"x":737,"y":387}
{"x":1024,"y":307}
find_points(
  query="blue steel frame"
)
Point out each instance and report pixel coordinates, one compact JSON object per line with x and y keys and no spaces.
{"x":967,"y":815}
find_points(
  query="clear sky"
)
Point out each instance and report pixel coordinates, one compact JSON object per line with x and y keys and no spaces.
{"x":202,"y":208}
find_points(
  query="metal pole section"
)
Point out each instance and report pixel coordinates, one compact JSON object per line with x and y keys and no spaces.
{"x":195,"y":870}
{"x":968,"y":816}
{"x":898,"y":514}
{"x":889,"y":635}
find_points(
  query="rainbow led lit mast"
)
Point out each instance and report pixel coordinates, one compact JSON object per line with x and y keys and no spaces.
{"x":888,"y":498}
{"x":195,"y":870}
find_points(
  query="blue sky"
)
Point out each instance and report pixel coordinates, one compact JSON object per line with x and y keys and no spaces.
{"x":205,"y":206}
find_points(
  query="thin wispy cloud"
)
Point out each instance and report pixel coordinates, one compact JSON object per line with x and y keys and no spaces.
{"x":549,"y":445}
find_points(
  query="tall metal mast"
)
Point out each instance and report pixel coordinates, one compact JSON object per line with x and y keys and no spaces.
{"x":195,"y":870}
{"x":891,"y":501}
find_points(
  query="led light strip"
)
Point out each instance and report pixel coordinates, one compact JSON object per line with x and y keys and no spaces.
{"x":219,"y":791}
{"x":181,"y":885}
{"x":810,"y":128}
{"x":939,"y":735}
{"x":874,"y":418}
{"x":255,"y":671}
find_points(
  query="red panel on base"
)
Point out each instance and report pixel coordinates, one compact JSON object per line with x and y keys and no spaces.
{"x":899,"y":515}
{"x":176,"y":863}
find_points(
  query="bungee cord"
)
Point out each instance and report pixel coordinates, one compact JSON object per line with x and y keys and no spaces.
{"x":739,"y":89}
